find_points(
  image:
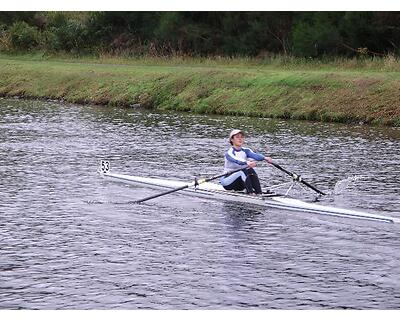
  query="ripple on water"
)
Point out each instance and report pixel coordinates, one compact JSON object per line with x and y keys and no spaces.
{"x":59,"y":252}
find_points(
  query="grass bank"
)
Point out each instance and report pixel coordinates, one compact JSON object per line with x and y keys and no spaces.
{"x":345,"y":91}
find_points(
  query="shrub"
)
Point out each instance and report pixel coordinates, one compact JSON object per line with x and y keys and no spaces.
{"x":69,"y":36}
{"x":312,"y":41}
{"x":5,"y":44}
{"x":23,"y":36}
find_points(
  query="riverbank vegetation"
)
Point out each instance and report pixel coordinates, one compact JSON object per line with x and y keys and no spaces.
{"x":343,"y":91}
{"x":325,"y":66}
{"x":232,"y":34}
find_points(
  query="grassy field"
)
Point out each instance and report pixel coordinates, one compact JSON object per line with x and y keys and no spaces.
{"x":335,"y":91}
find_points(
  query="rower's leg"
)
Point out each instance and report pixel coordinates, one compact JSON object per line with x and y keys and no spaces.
{"x":249,"y":185}
{"x":255,"y":182}
{"x":236,"y":185}
{"x":252,"y":183}
{"x":247,"y":181}
{"x":234,"y":182}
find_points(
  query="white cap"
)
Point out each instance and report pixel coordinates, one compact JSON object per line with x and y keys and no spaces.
{"x":233,"y":132}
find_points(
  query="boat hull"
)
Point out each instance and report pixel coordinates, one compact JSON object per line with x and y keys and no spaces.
{"x":217,"y":192}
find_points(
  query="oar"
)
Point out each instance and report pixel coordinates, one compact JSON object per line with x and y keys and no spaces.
{"x":297,"y":177}
{"x":194,"y":183}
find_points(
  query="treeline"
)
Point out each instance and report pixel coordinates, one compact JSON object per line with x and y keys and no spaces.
{"x":256,"y":34}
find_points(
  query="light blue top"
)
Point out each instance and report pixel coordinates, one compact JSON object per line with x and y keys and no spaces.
{"x":236,"y":158}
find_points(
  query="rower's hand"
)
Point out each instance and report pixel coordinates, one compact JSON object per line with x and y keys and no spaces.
{"x":251,"y":164}
{"x":268,"y":159}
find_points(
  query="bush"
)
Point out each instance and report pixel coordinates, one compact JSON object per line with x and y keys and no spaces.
{"x":22,"y":36}
{"x":318,"y":38}
{"x":69,"y":37}
{"x":5,"y":44}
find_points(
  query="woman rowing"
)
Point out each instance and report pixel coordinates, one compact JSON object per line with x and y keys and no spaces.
{"x":238,"y":156}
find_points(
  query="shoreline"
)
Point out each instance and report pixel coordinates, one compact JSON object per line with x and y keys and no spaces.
{"x":344,"y":96}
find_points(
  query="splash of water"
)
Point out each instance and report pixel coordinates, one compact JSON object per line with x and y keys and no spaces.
{"x":343,"y":184}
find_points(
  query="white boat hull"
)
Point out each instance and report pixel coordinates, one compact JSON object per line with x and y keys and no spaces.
{"x":214,"y":191}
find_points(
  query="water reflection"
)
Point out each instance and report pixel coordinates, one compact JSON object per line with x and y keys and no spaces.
{"x":241,"y":217}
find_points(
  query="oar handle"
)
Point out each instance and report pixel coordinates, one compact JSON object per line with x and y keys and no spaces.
{"x":296,"y":177}
{"x":280,"y":168}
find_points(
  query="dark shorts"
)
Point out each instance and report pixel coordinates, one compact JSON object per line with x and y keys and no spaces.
{"x":245,"y":179}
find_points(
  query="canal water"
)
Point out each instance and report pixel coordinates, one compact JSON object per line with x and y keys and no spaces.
{"x":59,"y":251}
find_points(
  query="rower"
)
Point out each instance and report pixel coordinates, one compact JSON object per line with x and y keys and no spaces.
{"x":238,"y":156}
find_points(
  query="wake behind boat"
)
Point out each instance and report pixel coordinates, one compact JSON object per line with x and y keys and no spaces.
{"x":215,"y":191}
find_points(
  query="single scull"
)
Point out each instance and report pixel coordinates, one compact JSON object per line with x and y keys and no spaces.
{"x":217,"y":192}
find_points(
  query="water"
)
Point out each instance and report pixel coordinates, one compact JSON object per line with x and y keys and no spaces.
{"x":176,"y":252}
{"x":343,"y":185}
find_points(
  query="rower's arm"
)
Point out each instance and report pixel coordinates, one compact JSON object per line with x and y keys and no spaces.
{"x":251,"y":154}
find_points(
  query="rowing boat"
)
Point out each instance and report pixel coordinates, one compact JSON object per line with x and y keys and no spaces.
{"x":217,"y":192}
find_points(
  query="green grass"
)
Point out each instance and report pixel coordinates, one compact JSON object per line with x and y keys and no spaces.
{"x":367,"y":64}
{"x":336,"y":91}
